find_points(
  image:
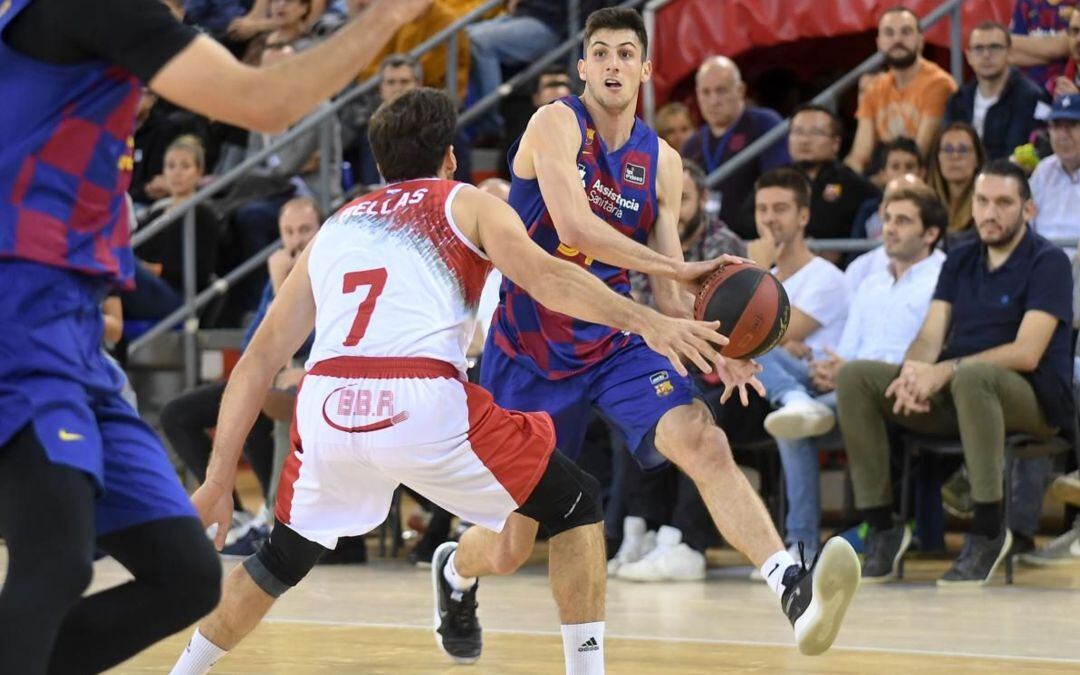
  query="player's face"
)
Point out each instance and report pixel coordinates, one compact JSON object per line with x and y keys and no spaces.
{"x":181,"y":172}
{"x":776,"y":210}
{"x":614,"y":68}
{"x":900,"y":163}
{"x":298,"y":226}
{"x":999,"y":211}
{"x":396,"y":81}
{"x":903,"y":234}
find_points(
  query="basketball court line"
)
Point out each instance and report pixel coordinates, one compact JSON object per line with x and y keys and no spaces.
{"x":708,"y":641}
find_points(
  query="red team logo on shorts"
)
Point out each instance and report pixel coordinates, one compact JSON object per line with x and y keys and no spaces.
{"x":346,"y":404}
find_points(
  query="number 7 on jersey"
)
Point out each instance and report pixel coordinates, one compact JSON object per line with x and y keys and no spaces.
{"x":376,"y":281}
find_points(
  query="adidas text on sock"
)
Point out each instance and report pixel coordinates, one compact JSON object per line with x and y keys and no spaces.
{"x":583,"y":648}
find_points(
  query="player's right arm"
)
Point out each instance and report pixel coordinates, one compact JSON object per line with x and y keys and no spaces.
{"x":205,"y":78}
{"x":564,"y":287}
{"x":548,"y":151}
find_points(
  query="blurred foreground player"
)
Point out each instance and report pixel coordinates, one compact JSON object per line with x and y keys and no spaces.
{"x":595,"y":186}
{"x":78,"y":468}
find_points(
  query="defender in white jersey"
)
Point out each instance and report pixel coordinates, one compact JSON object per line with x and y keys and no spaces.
{"x":391,"y":284}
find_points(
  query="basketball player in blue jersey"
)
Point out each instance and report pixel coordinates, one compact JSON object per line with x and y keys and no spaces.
{"x":78,"y":468}
{"x":595,"y":186}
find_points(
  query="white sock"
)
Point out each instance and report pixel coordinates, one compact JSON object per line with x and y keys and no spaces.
{"x":583,"y":647}
{"x":789,"y":397}
{"x":773,"y":570}
{"x":456,"y":581}
{"x":198,"y":657}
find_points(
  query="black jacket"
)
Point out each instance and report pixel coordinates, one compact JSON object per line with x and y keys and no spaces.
{"x":1009,"y":122}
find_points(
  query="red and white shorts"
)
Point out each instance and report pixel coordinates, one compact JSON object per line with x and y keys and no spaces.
{"x":365,"y":425}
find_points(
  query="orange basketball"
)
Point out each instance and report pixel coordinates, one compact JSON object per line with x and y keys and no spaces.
{"x":751,"y":306}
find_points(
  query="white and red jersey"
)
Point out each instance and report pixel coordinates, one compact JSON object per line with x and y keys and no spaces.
{"x":393,"y":276}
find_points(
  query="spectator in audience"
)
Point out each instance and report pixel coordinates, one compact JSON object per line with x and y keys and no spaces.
{"x":220,"y":17}
{"x":186,"y":419}
{"x":955,"y":158}
{"x":1055,"y":184}
{"x":901,"y":157}
{"x":1040,"y":40}
{"x":551,"y":85}
{"x":674,"y":124}
{"x":294,"y":19}
{"x":159,"y":272}
{"x":729,"y":127}
{"x":1000,"y":102}
{"x":909,"y":100}
{"x":991,"y":357}
{"x":153,"y":134}
{"x":885,"y":315}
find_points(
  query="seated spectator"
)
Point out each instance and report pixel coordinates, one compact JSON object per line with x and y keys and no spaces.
{"x":901,"y":157}
{"x":294,"y":19}
{"x":1055,"y":184}
{"x":186,"y":419}
{"x":552,"y":84}
{"x":1000,"y":102}
{"x":955,"y":158}
{"x":159,"y":272}
{"x":674,"y":124}
{"x":153,"y":134}
{"x":885,"y":314}
{"x":908,"y":100}
{"x":991,"y":357}
{"x":1040,"y":46}
{"x":729,"y":127}
{"x":1055,"y":51}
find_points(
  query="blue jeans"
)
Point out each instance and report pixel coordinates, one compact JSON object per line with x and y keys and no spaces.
{"x":782,"y":373}
{"x":506,"y":40}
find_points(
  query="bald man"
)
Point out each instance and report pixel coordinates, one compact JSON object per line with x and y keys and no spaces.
{"x":729,"y":127}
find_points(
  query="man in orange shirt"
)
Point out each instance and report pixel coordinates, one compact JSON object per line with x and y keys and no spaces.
{"x":908,"y":100}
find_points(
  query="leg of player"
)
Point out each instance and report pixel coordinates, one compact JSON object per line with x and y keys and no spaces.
{"x":815,"y":598}
{"x":250,"y":591}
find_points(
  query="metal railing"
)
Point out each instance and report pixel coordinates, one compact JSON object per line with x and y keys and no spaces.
{"x":826,"y":97}
{"x":186,"y":211}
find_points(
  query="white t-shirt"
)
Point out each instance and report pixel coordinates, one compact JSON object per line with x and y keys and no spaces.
{"x":820,"y":291}
{"x":978,"y":115}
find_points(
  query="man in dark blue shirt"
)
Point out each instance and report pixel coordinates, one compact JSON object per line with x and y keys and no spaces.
{"x":992,"y":357}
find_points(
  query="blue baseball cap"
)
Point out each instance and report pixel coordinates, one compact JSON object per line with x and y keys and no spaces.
{"x":1066,"y":108}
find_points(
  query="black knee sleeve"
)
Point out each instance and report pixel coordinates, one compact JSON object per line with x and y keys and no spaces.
{"x":566,"y":497}
{"x":283,"y":560}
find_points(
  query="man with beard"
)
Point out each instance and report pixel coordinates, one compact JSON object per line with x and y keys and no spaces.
{"x":908,"y":100}
{"x":1000,"y":102}
{"x":991,"y":357}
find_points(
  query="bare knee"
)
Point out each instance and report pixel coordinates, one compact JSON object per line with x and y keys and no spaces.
{"x":509,"y":556}
{"x":696,"y":445}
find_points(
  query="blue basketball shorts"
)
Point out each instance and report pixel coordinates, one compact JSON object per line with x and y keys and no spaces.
{"x":55,"y":377}
{"x":632,"y":388}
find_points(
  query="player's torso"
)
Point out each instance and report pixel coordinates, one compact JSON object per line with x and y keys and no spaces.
{"x":65,"y":161}
{"x":392,"y":277}
{"x":621,"y":188}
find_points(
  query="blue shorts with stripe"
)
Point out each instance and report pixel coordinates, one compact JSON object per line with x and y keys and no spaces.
{"x":632,"y":388}
{"x":55,"y":377}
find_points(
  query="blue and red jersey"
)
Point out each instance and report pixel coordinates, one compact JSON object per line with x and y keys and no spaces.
{"x":65,"y":162}
{"x":621,"y":187}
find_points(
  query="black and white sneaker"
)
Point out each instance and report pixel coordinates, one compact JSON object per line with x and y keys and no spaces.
{"x":815,"y":598}
{"x":457,"y":630}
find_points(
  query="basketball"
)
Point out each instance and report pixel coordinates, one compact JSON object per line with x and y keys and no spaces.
{"x":751,"y":306}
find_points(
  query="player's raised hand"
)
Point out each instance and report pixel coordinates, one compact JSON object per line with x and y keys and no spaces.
{"x":737,"y":375}
{"x":678,"y":339}
{"x":214,"y":504}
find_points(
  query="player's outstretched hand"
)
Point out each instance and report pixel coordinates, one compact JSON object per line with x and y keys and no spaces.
{"x":679,"y":339}
{"x":693,"y":274}
{"x":737,"y":375}
{"x":215,"y":506}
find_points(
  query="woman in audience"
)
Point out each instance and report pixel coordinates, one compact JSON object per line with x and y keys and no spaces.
{"x":674,"y":124}
{"x":159,"y":273}
{"x":955,"y":156}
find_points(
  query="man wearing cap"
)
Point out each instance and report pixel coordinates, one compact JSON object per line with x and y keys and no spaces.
{"x":1055,"y":184}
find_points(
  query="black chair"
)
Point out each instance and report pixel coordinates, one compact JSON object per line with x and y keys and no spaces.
{"x":1017,"y":446}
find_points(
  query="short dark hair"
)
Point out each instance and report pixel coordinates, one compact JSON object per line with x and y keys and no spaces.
{"x":900,"y":9}
{"x":402,"y":60}
{"x":617,"y":18}
{"x":1006,"y":169}
{"x":787,"y":178}
{"x":904,"y":144}
{"x":835,"y":125}
{"x":932,"y":211}
{"x":410,"y":135}
{"x":555,"y":69}
{"x":697,"y":174}
{"x":994,"y":25}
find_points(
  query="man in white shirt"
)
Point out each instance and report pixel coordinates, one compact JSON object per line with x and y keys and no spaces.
{"x":1055,"y":184}
{"x":883,"y":318}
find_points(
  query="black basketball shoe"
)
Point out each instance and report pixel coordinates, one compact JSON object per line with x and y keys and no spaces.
{"x":457,"y":630}
{"x":815,"y":598}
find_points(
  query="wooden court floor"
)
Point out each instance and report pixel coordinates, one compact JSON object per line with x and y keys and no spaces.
{"x":376,"y":618}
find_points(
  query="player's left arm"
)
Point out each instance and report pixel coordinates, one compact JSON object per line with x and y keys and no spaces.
{"x":669,"y":296}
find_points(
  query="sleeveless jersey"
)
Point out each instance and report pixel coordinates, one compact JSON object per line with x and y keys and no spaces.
{"x":393,"y":276}
{"x":621,"y":187}
{"x":65,"y":161}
